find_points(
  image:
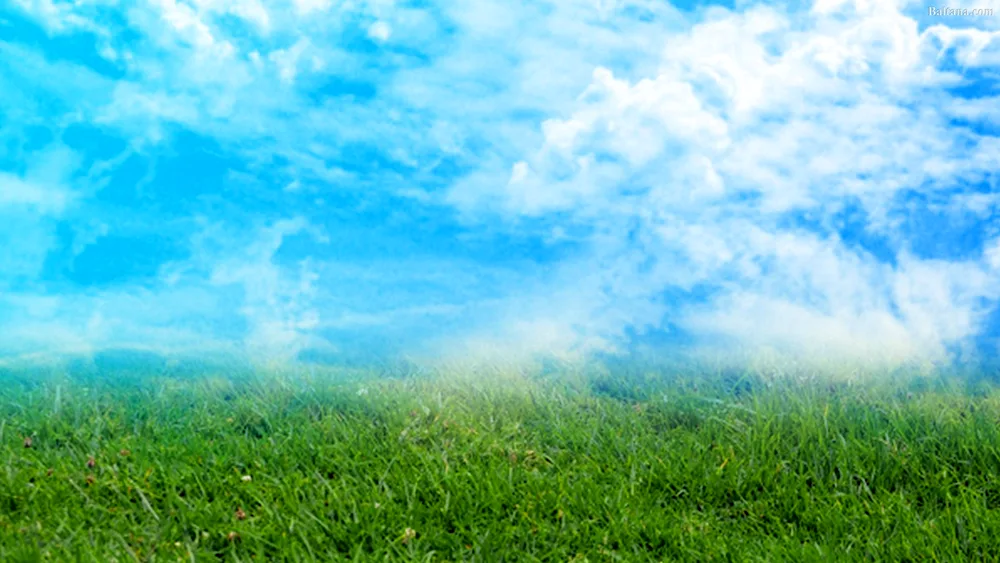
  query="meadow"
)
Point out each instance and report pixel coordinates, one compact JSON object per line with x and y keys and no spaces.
{"x":603,"y":463}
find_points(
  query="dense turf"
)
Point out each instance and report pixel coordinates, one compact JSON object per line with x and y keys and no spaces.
{"x":493,"y":466}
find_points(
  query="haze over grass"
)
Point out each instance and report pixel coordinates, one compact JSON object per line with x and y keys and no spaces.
{"x":277,"y":179}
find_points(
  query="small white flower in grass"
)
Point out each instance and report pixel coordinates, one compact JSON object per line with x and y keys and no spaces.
{"x":362,"y":391}
{"x":247,"y":478}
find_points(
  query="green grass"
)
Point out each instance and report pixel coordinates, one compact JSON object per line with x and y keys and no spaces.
{"x":499,"y":466}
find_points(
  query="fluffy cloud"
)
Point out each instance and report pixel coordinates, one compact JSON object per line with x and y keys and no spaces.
{"x":753,"y":121}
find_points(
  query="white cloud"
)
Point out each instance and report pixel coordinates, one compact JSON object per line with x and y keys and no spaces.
{"x":287,"y":60}
{"x":307,"y":7}
{"x":277,"y":307}
{"x":44,"y":186}
{"x":801,"y":113}
{"x":186,"y":22}
{"x":55,"y":16}
{"x":41,"y":198}
{"x":142,"y":113}
{"x":992,"y":255}
{"x":380,"y":31}
{"x":252,"y":11}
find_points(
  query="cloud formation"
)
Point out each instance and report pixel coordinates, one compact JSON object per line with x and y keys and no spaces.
{"x":320,"y":177}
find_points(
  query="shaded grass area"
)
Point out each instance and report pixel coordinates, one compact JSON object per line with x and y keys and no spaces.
{"x":548,"y":465}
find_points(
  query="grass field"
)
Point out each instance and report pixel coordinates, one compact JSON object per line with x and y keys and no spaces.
{"x":603,"y":465}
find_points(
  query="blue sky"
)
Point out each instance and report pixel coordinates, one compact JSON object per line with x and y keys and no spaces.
{"x":317,"y":177}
